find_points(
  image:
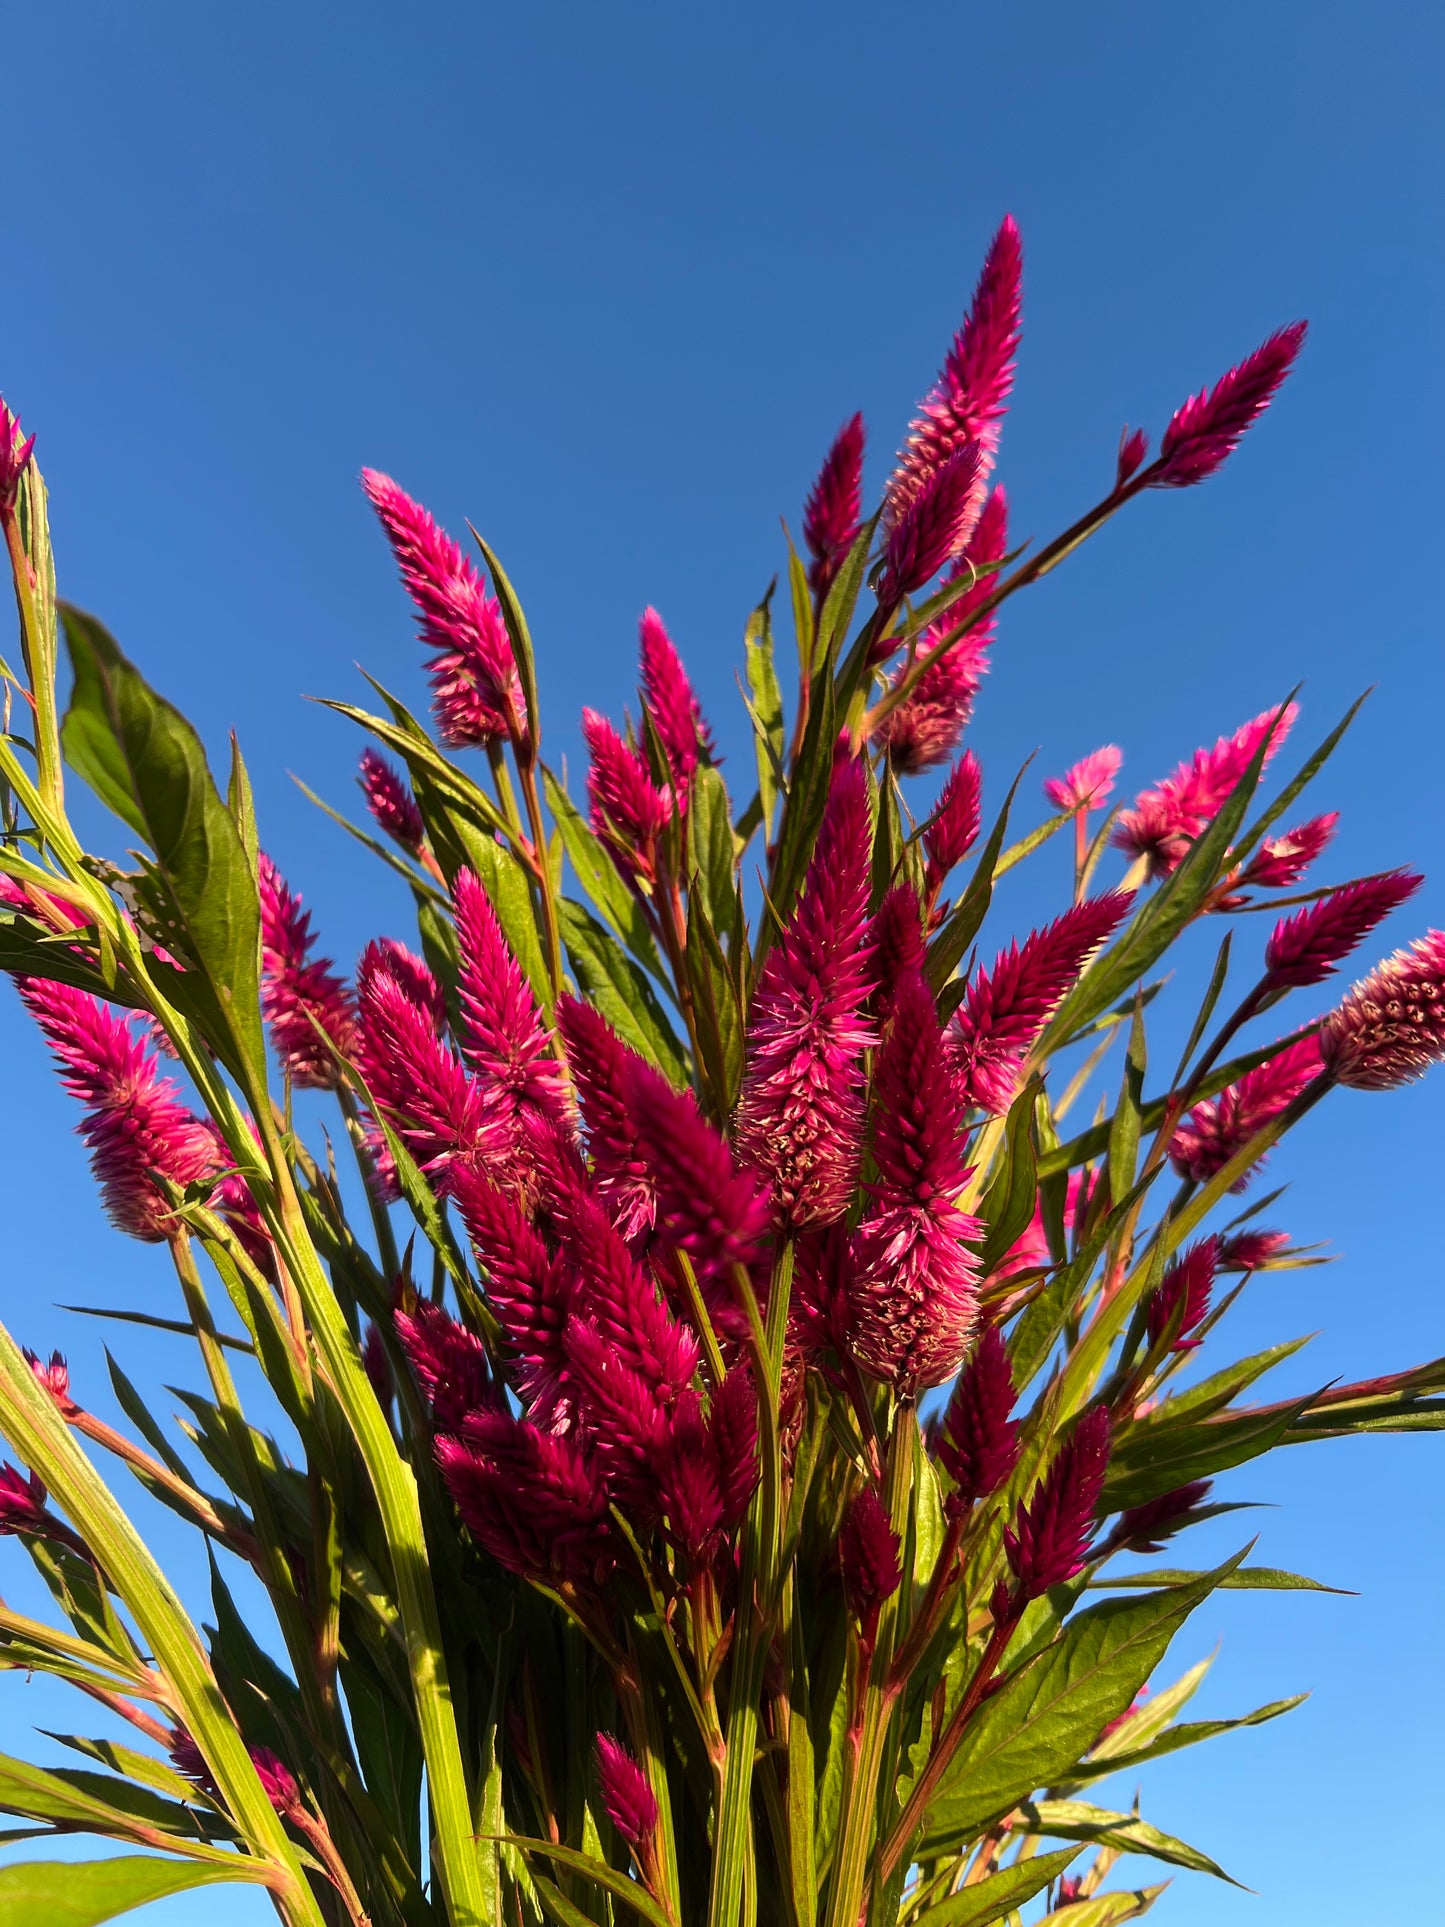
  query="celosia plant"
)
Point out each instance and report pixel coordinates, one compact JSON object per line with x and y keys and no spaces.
{"x":703,"y":1462}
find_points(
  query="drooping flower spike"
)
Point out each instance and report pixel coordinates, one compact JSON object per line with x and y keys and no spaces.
{"x":1205,"y":431}
{"x":1391,"y":1026}
{"x":833,"y":515}
{"x":473,"y":674}
{"x":531,"y":1499}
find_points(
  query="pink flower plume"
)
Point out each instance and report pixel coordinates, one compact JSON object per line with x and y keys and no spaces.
{"x":1088,"y":785}
{"x":978,"y":1443}
{"x":668,"y":698}
{"x":967,"y":402}
{"x":474,"y":676}
{"x":629,"y":1801}
{"x":935,"y":525}
{"x":800,"y":1117}
{"x":448,"y":1362}
{"x":1050,"y":1539}
{"x":299,"y":992}
{"x":715,"y":1213}
{"x":1215,"y":1129}
{"x":1181,"y":1298}
{"x":530,"y":1293}
{"x":392,"y":805}
{"x":833,"y":515}
{"x":912,"y":1285}
{"x":1165,"y":821}
{"x":629,"y":810}
{"x":1307,"y":947}
{"x":529,"y":1498}
{"x":952,"y":830}
{"x":868,"y":1555}
{"x":1007,"y":1008}
{"x":1209,"y":426}
{"x":15,"y":452}
{"x":599,"y":1061}
{"x":1391,"y":1026}
{"x":1283,"y":860}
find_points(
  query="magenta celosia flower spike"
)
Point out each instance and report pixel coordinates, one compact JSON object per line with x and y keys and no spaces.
{"x":530,"y":1293}
{"x":134,"y":1124}
{"x":1165,"y":821}
{"x":1089,"y":784}
{"x":1006,"y":1009}
{"x":1146,"y":1528}
{"x":1182,"y":1296}
{"x":1133,"y":447}
{"x":22,"y":1502}
{"x":630,"y":1802}
{"x":800,"y":1117}
{"x":1205,"y":431}
{"x":935,"y":525}
{"x":54,"y":1375}
{"x":912,"y":1290}
{"x":1283,"y":860}
{"x":300,"y":993}
{"x":1251,"y":1250}
{"x":868,"y":1556}
{"x":952,"y":830}
{"x":15,"y":452}
{"x":978,"y":1442}
{"x":899,"y":947}
{"x":448,"y":1362}
{"x":598,"y":1060}
{"x":278,"y":1782}
{"x":1391,"y":1026}
{"x":1050,"y":1539}
{"x":474,"y":676}
{"x":531,"y":1499}
{"x":1307,"y":947}
{"x":668,"y":698}
{"x":503,"y":1036}
{"x":1214,"y":1130}
{"x":629,"y":811}
{"x":392,"y":805}
{"x":967,"y":402}
{"x":925,"y":728}
{"x":833,"y":515}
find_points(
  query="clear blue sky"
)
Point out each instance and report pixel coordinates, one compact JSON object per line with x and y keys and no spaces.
{"x":606,"y":279}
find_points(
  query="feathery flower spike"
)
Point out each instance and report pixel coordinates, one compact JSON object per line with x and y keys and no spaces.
{"x":473,"y":673}
{"x":966,"y":404}
{"x":1145,"y":1528}
{"x":299,"y":992}
{"x":833,"y":515}
{"x":913,"y":1284}
{"x":668,"y":698}
{"x":978,"y":1443}
{"x":598,"y":1060}
{"x":715,"y":1213}
{"x":448,"y":1362}
{"x":629,"y":811}
{"x":1251,"y":1250}
{"x":951,"y":832}
{"x":1208,"y":427}
{"x":135,"y":1126}
{"x":22,"y":1502}
{"x":1088,"y":785}
{"x":868,"y":1550}
{"x":278,"y":1783}
{"x":1307,"y":947}
{"x":529,"y":1498}
{"x":1391,"y":1026}
{"x":935,"y":525}
{"x":1005,"y":1011}
{"x":392,"y":805}
{"x":630,"y":1802}
{"x":1050,"y":1541}
{"x":800,"y":1116}
{"x":1183,"y":1294}
{"x":1214,"y":1130}
{"x":898,"y":940}
{"x":530,"y":1293}
{"x":925,"y":728}
{"x":1283,"y":860}
{"x":1165,"y":820}
{"x":15,"y":453}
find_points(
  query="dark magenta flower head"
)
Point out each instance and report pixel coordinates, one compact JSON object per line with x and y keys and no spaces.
{"x":531,"y":1499}
{"x":1207,"y":429}
{"x":1283,"y":860}
{"x":630,"y":1802}
{"x":1391,"y":1027}
{"x":22,"y":1502}
{"x":392,"y":805}
{"x":1307,"y":947}
{"x":1049,"y":1542}
{"x":629,"y":810}
{"x":277,"y":1780}
{"x":1180,"y":1303}
{"x":977,"y":1442}
{"x":1251,"y":1250}
{"x":15,"y":452}
{"x":448,"y":1362}
{"x":833,"y":515}
{"x":1146,"y":1528}
{"x":1165,"y":820}
{"x":868,"y":1555}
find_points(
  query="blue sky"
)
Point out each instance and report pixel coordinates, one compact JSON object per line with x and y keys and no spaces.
{"x":606,"y":280}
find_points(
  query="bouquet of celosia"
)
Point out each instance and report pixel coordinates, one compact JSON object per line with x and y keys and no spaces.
{"x":692,"y":1485}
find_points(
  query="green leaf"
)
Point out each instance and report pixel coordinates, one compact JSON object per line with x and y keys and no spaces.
{"x":68,"y":1893}
{"x":716,"y":1007}
{"x":1124,"y":1832}
{"x":993,"y":1899}
{"x":1192,"y":1733}
{"x":766,"y":707}
{"x":1045,"y":1717}
{"x":1242,"y":1579}
{"x":1007,"y":1207}
{"x":519,"y":636}
{"x":622,"y":1886}
{"x":1124,"y":1129}
{"x":710,"y":849}
{"x":145,"y":761}
{"x":1103,"y":1910}
{"x":598,"y":876}
{"x":1159,"y":1455}
{"x":610,"y":980}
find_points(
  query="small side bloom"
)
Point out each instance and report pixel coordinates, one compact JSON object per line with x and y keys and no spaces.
{"x":1205,"y":431}
{"x":598,"y":1060}
{"x":1133,"y":447}
{"x":1216,"y":1129}
{"x":1049,"y":1541}
{"x":299,"y":992}
{"x":1089,"y":784}
{"x":1283,"y":860}
{"x":1181,"y":1301}
{"x":54,"y":1376}
{"x":1306,"y":948}
{"x":706,"y":1207}
{"x":448,"y":1362}
{"x":951,"y":832}
{"x":868,"y":1556}
{"x":833,"y":514}
{"x":1146,"y":1528}
{"x":15,"y":452}
{"x":1391,"y":1026}
{"x":529,"y":1498}
{"x":392,"y":805}
{"x":629,"y":1801}
{"x":22,"y":1503}
{"x":1251,"y":1250}
{"x":629,"y":811}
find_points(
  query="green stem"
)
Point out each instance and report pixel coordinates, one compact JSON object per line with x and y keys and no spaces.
{"x":40,"y":667}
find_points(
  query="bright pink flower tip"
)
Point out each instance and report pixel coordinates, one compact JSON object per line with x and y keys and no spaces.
{"x":1132,"y":450}
{"x":1005,"y":1011}
{"x":1251,"y":1250}
{"x":630,"y":1802}
{"x":833,"y":515}
{"x":1220,"y":1126}
{"x":966,"y":404}
{"x":1050,"y":1539}
{"x":1165,"y":821}
{"x":1205,"y":431}
{"x":15,"y":453}
{"x":474,"y":676}
{"x":1181,"y":1300}
{"x":978,"y":1444}
{"x":952,"y":830}
{"x":868,"y":1553}
{"x":1391,"y":1026}
{"x":277,"y":1781}
{"x":1307,"y":947}
{"x":629,"y":810}
{"x":392,"y":805}
{"x":925,"y":729}
{"x":55,"y":1378}
{"x":668,"y":698}
{"x":936,"y":525}
{"x":912,"y":1285}
{"x":1088,"y":784}
{"x":800,"y":1116}
{"x":305,"y":1003}
{"x":598,"y":1060}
